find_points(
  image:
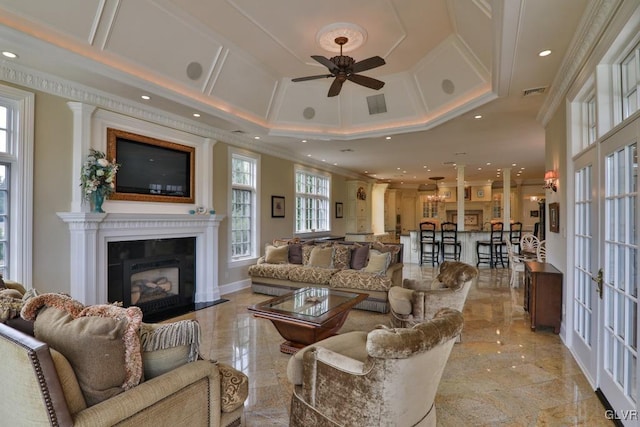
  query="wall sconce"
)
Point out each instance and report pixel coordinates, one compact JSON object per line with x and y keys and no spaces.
{"x":550,"y":180}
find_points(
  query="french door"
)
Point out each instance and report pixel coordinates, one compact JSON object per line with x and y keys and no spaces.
{"x":604,"y":287}
{"x":618,"y":327}
{"x":585,"y":303}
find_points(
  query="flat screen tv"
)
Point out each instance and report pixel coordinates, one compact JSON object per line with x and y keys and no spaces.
{"x":151,"y":170}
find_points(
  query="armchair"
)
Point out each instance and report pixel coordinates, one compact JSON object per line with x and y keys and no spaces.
{"x":386,"y":377}
{"x":417,"y":301}
{"x":41,"y":389}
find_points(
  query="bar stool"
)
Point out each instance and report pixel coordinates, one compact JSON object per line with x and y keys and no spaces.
{"x":494,"y":244}
{"x":515,"y":233}
{"x":429,"y":246}
{"x":449,"y":238}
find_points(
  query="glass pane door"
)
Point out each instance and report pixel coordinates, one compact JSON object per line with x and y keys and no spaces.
{"x":619,"y":380}
{"x":585,"y":307}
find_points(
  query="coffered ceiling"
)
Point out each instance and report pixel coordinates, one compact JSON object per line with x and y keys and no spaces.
{"x":232,"y":61}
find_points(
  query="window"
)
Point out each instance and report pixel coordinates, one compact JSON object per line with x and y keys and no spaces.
{"x":5,"y":197}
{"x":16,"y":184}
{"x":591,"y":120}
{"x":312,"y":201}
{"x":244,"y":171}
{"x":630,"y":69}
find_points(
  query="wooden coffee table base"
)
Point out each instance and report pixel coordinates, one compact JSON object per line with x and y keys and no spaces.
{"x":298,"y":335}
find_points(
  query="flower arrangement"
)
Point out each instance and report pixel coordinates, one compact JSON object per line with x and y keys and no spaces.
{"x":98,"y":174}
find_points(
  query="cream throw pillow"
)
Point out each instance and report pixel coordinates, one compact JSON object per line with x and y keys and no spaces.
{"x":378,"y":262}
{"x":321,"y":257}
{"x":276,"y":254}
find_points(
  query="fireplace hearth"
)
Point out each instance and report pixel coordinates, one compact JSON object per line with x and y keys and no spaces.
{"x":157,"y":275}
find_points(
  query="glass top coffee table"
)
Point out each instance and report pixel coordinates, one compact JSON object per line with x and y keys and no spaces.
{"x":307,"y":315}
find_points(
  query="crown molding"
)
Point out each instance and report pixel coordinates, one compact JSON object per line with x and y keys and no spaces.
{"x":594,"y":23}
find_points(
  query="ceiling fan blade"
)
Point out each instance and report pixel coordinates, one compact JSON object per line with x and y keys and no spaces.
{"x":326,"y":62}
{"x":334,"y":90}
{"x":367,"y":64}
{"x":302,"y":79}
{"x":366,"y":81}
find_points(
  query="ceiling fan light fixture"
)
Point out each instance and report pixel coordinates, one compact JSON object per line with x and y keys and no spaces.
{"x":327,"y":35}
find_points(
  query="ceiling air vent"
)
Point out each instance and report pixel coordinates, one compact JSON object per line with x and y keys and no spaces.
{"x":534,"y":91}
{"x":376,"y":104}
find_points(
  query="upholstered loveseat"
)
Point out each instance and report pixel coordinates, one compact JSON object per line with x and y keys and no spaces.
{"x":371,"y":268}
{"x":78,"y":386}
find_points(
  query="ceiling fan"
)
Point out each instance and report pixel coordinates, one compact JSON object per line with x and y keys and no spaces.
{"x":345,"y":68}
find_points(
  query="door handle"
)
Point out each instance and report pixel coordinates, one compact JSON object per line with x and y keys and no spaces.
{"x":599,"y":280}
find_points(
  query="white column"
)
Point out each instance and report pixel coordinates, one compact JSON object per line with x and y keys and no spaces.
{"x":205,"y":166}
{"x":208,"y":276}
{"x":506,"y":198}
{"x":86,"y":266}
{"x":377,"y":207}
{"x":460,"y":192}
{"x":81,"y":144}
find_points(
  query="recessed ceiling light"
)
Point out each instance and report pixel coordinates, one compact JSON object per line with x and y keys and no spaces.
{"x":479,"y":169}
{"x":304,"y":140}
{"x":545,"y":53}
{"x":366,"y":171}
{"x":335,"y":164}
{"x":388,"y":137}
{"x":477,"y":116}
{"x":498,"y":169}
{"x":9,"y":54}
{"x":488,"y":163}
{"x":196,"y":115}
{"x":513,"y":164}
{"x":145,"y":97}
{"x":256,"y":137}
{"x":308,"y":155}
{"x":398,"y":168}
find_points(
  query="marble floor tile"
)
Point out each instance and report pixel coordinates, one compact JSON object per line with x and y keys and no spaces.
{"x":500,"y":374}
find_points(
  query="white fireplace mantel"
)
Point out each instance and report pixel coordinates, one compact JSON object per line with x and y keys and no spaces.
{"x":91,"y":233}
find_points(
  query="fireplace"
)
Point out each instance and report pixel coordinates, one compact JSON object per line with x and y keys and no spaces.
{"x":157,"y":275}
{"x":91,"y":235}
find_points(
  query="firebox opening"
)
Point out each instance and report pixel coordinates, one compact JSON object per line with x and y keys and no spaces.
{"x":156,"y":275}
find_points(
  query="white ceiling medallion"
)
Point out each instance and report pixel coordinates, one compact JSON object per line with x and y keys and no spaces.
{"x":327,"y":35}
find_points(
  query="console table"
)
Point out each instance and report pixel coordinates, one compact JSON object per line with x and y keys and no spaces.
{"x":543,"y":294}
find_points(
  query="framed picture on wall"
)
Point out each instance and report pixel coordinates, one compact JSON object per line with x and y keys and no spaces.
{"x":277,"y":207}
{"x":339,"y":211}
{"x":554,"y":217}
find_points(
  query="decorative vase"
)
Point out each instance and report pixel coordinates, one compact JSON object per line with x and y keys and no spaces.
{"x":97,"y":199}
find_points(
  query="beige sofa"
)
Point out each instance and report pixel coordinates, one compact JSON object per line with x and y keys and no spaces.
{"x":43,"y":387}
{"x":371,"y":268}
